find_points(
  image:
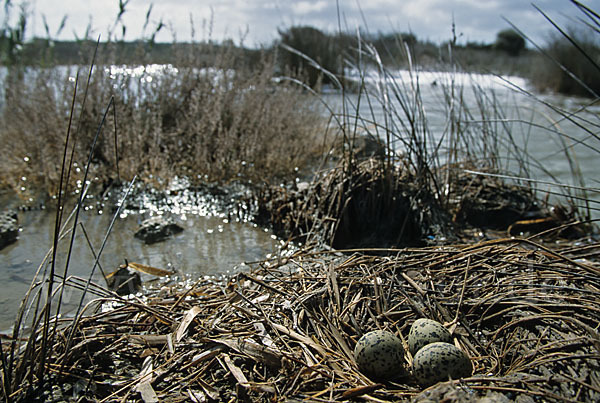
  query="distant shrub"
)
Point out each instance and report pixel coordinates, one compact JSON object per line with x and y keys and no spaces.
{"x":576,"y":63}
{"x":479,"y":46}
{"x":385,"y":43}
{"x":510,"y":41}
{"x":315,"y":44}
{"x":393,"y":48}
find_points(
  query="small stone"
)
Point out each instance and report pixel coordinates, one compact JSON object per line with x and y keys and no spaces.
{"x":9,"y":228}
{"x":124,"y":281}
{"x":156,"y":229}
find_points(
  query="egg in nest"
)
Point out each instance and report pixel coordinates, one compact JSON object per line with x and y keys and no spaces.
{"x":379,"y":354}
{"x":426,"y":331}
{"x":439,"y":361}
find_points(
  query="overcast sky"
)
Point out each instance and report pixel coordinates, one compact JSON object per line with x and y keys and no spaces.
{"x":258,"y":20}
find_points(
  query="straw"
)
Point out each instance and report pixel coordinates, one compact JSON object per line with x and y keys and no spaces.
{"x":526,"y":315}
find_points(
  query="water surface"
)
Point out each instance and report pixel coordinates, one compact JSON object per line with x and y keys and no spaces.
{"x":532,"y":139}
{"x":210,"y":245}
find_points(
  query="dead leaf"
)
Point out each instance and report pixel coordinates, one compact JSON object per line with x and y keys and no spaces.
{"x":197,"y":396}
{"x":185,"y":323}
{"x":149,"y":269}
{"x":361,"y":390}
{"x":212,"y":393}
{"x":235,"y":371}
{"x":148,"y":339}
{"x":144,"y":386}
{"x":252,"y":349}
{"x":203,"y":356}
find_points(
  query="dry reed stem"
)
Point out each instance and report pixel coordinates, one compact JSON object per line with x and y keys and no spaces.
{"x":526,"y":315}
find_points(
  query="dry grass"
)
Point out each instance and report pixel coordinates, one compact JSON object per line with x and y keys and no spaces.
{"x":216,"y":124}
{"x":526,"y":315}
{"x":364,"y":205}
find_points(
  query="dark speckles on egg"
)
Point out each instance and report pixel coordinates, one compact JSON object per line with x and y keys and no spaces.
{"x":425,"y":331}
{"x":439,"y":361}
{"x":379,"y":355}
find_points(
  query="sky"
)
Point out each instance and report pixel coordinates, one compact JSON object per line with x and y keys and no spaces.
{"x":255,"y":22}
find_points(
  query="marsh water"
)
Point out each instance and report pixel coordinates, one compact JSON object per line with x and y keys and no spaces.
{"x":211,"y":244}
{"x":552,"y":135}
{"x":214,"y":243}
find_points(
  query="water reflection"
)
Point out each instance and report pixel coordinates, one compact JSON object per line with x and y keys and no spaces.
{"x":209,"y":245}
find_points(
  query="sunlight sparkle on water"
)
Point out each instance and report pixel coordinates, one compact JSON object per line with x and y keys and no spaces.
{"x":146,"y":72}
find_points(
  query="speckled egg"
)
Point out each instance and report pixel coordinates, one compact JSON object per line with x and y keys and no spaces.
{"x":379,"y":355}
{"x":439,"y":361}
{"x":424,"y":332}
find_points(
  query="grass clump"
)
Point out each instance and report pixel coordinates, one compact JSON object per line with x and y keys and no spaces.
{"x":366,"y":206}
{"x":228,"y":121}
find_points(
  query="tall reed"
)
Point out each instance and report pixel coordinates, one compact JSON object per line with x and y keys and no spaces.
{"x":483,"y":139}
{"x":214,"y":123}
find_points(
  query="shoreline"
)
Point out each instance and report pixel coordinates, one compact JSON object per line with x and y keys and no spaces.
{"x":300,"y":317}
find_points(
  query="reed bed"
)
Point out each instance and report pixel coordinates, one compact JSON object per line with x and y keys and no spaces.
{"x":212,"y":124}
{"x":285,"y":330}
{"x":371,"y":205}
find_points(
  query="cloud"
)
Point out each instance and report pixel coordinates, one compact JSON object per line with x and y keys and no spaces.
{"x":475,"y":20}
{"x":308,"y":7}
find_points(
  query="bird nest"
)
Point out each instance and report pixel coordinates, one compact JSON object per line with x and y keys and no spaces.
{"x":285,"y":330}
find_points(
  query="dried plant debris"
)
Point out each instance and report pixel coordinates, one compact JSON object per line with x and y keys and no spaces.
{"x":488,"y":202}
{"x":370,"y":205}
{"x":365,"y":205}
{"x":526,"y":316}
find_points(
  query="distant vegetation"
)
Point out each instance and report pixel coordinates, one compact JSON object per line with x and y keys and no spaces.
{"x":572,"y":64}
{"x":325,"y":52}
{"x":45,"y":53}
{"x":507,"y":55}
{"x":565,"y":65}
{"x":510,"y":41}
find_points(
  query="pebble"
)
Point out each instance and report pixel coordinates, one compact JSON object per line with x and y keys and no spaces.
{"x":156,"y":229}
{"x":9,"y":228}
